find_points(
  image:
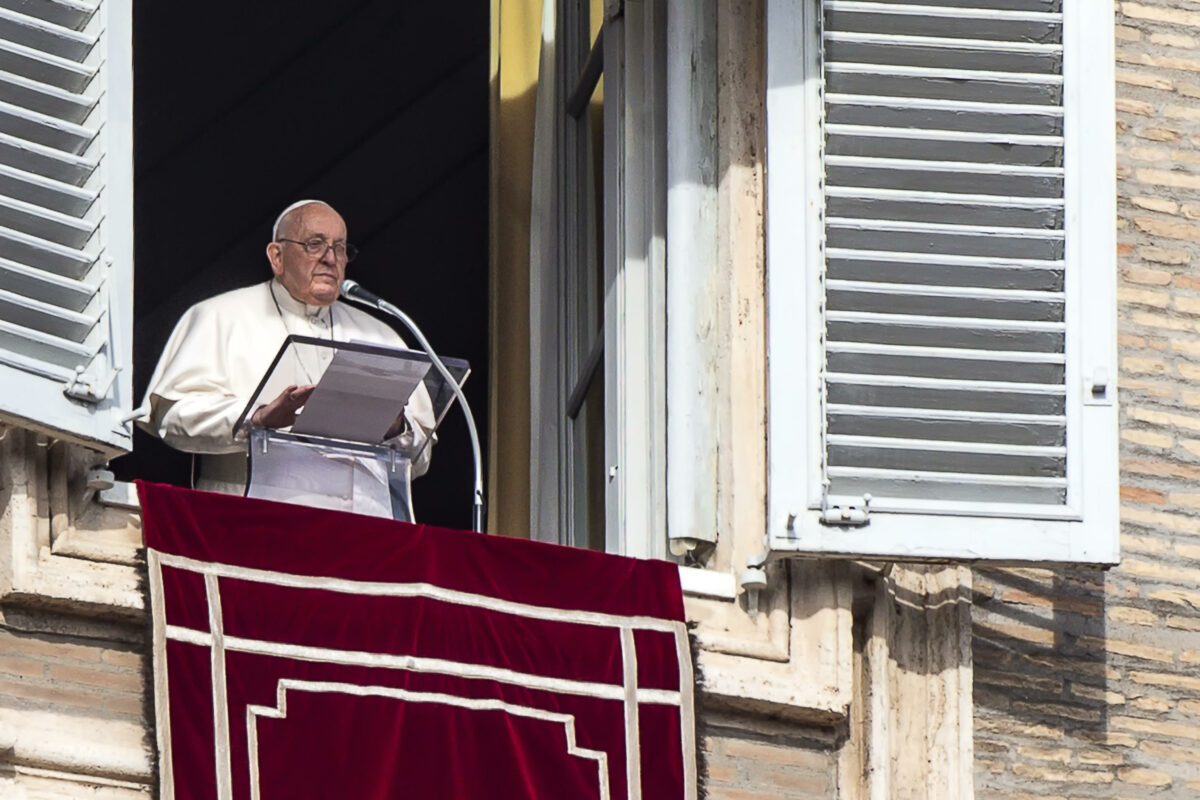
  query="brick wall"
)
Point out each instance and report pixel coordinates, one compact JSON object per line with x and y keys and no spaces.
{"x":1088,"y":683}
{"x":73,"y":708}
{"x":71,"y":675}
{"x":749,"y":757}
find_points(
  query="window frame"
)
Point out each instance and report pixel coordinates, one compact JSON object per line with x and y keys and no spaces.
{"x":633,"y":364}
{"x":583,"y":351}
{"x":1085,"y":531}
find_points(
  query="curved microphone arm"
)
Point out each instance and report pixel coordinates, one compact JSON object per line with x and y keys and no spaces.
{"x":352,"y":291}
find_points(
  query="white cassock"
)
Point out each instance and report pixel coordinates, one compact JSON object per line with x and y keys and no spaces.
{"x":220,"y":350}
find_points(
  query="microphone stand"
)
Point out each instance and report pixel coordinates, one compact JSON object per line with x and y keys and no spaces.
{"x":352,"y":291}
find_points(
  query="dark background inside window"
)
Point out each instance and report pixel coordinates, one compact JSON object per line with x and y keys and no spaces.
{"x":379,"y":108}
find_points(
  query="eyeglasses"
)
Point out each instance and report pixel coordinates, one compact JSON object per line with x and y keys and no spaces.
{"x":317,"y":248}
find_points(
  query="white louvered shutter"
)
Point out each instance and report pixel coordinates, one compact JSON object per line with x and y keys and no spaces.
{"x":958,"y":268}
{"x":66,"y":229}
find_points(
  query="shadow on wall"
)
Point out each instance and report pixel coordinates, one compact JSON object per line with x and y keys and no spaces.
{"x":1041,"y":674}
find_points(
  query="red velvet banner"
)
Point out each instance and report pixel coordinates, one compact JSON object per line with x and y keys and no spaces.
{"x":304,"y":653}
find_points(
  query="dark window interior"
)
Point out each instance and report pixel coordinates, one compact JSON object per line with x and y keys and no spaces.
{"x":377,"y":107}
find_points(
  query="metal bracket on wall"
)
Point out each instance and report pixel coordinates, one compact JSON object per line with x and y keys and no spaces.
{"x":753,"y":580}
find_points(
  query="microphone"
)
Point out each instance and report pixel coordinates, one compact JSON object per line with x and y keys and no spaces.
{"x":351,"y":290}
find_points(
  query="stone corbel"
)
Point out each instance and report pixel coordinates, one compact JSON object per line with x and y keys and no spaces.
{"x":805,"y":617}
{"x":58,"y":548}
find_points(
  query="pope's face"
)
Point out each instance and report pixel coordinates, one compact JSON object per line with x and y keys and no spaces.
{"x":314,"y":280}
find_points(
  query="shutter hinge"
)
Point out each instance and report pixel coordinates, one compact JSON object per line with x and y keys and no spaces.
{"x":850,"y":512}
{"x":87,"y":388}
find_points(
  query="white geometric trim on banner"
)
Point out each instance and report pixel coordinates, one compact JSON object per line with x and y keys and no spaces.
{"x":628,"y":692}
{"x":474,"y":704}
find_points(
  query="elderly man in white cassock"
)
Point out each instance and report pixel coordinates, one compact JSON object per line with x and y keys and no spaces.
{"x":221,"y":348}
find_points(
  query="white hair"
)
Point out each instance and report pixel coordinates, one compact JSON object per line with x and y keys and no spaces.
{"x":290,"y":209}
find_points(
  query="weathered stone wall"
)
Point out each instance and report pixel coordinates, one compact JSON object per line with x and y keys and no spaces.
{"x":74,"y":710}
{"x":750,"y":757}
{"x":1088,"y":683}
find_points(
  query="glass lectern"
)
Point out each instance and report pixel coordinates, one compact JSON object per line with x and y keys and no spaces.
{"x":371,"y":417}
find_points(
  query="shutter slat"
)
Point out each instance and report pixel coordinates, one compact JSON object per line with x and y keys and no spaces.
{"x":918,"y":309}
{"x":45,"y":36}
{"x":917,"y":428}
{"x":1007,"y":140}
{"x":872,"y":358}
{"x":934,"y":445}
{"x":44,"y":67}
{"x":945,"y":198}
{"x":961,"y":107}
{"x":72,"y":14}
{"x":990,"y":212}
{"x":933,"y":393}
{"x":38,"y":190}
{"x":44,"y":347}
{"x":949,"y":385}
{"x":920,"y":44}
{"x":47,"y":162}
{"x":951,"y":146}
{"x":936,"y":114}
{"x":944,"y":366}
{"x":948,"y":424}
{"x":930,"y":51}
{"x":44,"y":129}
{"x":962,"y":22}
{"x":935,"y":456}
{"x":12,"y":358}
{"x":966,"y":323}
{"x":45,"y":99}
{"x":931,"y":269}
{"x":954,"y":11}
{"x":952,"y":477}
{"x":986,"y":213}
{"x":947,"y":261}
{"x":865,"y":235}
{"x":941,"y":73}
{"x":954,"y":167}
{"x":954,"y":228}
{"x":986,"y":276}
{"x":45,"y":223}
{"x":938,"y":290}
{"x":889,"y":488}
{"x":26,"y":249}
{"x":906,"y":330}
{"x":957,"y":354}
{"x":46,"y":317}
{"x":992,"y":29}
{"x":880,"y":175}
{"x":943,"y":83}
{"x":1013,"y":5}
{"x":944,"y":177}
{"x":72,"y":295}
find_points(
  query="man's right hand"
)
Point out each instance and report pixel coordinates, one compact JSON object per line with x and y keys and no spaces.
{"x":281,"y":412}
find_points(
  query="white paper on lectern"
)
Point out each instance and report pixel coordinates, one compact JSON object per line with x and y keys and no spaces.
{"x":360,"y":396}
